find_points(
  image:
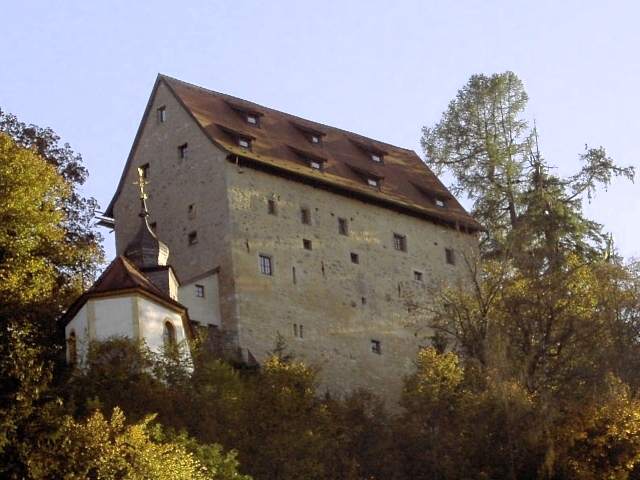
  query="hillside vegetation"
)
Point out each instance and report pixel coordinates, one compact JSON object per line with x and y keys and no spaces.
{"x":534,"y":371}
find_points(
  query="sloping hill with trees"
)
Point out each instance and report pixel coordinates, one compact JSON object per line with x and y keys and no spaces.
{"x":534,"y":371}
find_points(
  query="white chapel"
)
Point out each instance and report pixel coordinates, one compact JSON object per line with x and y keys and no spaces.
{"x":135,"y":297}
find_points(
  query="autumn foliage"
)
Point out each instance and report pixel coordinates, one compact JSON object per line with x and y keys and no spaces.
{"x":534,"y":372}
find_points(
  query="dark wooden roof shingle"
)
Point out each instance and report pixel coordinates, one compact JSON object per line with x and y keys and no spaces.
{"x":121,"y":276}
{"x":279,"y":140}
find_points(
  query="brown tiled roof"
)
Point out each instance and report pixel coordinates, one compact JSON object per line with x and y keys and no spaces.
{"x":280,"y":141}
{"x":121,"y":276}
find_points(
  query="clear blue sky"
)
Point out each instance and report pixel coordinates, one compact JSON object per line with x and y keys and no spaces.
{"x":380,"y":68}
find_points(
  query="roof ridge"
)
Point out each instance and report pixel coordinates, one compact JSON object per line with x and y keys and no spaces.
{"x":342,"y":130}
{"x":103,"y":274}
{"x":131,"y":271}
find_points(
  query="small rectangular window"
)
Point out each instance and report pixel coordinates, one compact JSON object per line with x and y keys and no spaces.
{"x":266,"y":267}
{"x":192,"y":211}
{"x":200,"y":291}
{"x":162,"y":114}
{"x":417,"y":276}
{"x":315,"y":165}
{"x":376,"y":157}
{"x":252,"y":119}
{"x":343,"y":226}
{"x":355,"y":258}
{"x":314,"y":139}
{"x":306,"y":244}
{"x":450,"y":256}
{"x":244,"y":142}
{"x":271,"y":207}
{"x":183,"y":150}
{"x":193,"y":238}
{"x":305,"y":216}
{"x":373,"y":182}
{"x":295,"y":329}
{"x":376,"y":347}
{"x":400,"y":242}
{"x":439,"y":202}
{"x":144,"y":171}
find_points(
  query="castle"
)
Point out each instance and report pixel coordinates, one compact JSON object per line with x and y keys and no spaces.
{"x":280,"y":226}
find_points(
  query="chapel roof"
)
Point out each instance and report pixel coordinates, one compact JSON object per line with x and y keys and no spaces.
{"x":119,"y":277}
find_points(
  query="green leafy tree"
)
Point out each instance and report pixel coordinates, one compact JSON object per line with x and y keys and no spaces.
{"x":109,"y":449}
{"x":428,"y":432}
{"x":117,"y":373}
{"x":607,"y":442}
{"x":285,"y":413}
{"x":32,"y":232}
{"x":30,"y":236}
{"x":84,"y":253}
{"x":48,"y":250}
{"x":363,"y":443}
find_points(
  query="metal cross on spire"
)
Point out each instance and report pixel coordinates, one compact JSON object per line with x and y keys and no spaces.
{"x":142,"y":181}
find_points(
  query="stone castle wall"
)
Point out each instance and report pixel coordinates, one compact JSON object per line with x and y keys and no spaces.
{"x":342,"y":306}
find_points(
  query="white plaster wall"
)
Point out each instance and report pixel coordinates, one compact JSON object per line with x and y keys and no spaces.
{"x":205,"y":310}
{"x":152,"y":317}
{"x":131,"y":316}
{"x":113,"y":317}
{"x":79,"y":325}
{"x":173,"y":285}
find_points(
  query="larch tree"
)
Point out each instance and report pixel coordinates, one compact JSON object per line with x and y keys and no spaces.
{"x":547,"y":308}
{"x":486,"y":143}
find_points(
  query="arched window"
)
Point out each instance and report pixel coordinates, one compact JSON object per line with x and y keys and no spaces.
{"x":169,"y":336}
{"x":72,"y":348}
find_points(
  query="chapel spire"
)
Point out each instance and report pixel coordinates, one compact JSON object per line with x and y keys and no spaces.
{"x":145,"y":250}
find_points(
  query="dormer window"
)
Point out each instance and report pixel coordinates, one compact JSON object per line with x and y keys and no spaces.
{"x":374,"y":153}
{"x":244,"y":142}
{"x":247,"y":113}
{"x":310,"y":159}
{"x":312,"y":135}
{"x":436,"y":198}
{"x":242,"y":139}
{"x":371,"y":178}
